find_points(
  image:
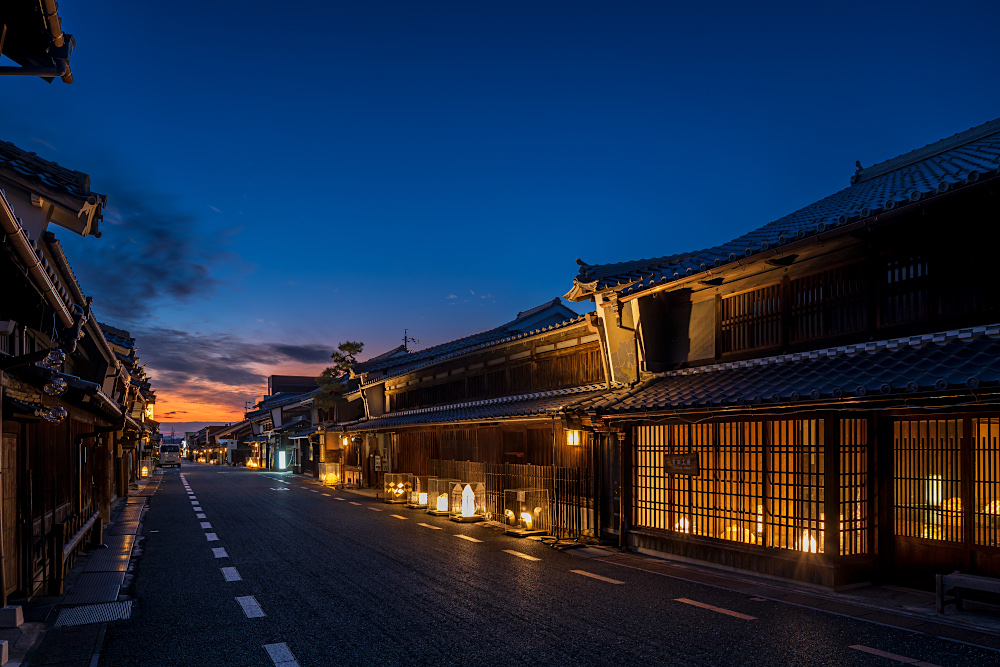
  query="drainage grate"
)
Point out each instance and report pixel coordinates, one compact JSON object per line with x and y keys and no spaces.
{"x":124,"y":528}
{"x":95,"y":613}
{"x":95,"y":587}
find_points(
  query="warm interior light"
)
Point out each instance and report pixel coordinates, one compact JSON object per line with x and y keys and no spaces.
{"x":952,"y":505}
{"x":442,"y":503}
{"x":683,"y":526}
{"x":573,"y":438}
{"x":281,"y":460}
{"x":808,"y":542}
{"x":527,"y":519}
{"x":422,"y":498}
{"x":935,"y":490}
{"x":468,"y":501}
{"x":344,"y":441}
{"x":992,"y":508}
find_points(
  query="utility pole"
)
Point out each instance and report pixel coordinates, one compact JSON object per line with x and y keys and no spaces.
{"x":407,"y":339}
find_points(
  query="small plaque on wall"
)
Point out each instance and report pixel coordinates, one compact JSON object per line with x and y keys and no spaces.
{"x":683,"y":464}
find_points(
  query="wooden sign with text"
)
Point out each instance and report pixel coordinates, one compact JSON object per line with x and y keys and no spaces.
{"x":682,"y":464}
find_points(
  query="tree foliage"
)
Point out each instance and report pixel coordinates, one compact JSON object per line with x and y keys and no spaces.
{"x":334,"y":380}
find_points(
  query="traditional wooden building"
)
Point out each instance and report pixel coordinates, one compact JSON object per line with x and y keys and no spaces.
{"x":68,"y":436}
{"x":819,"y":398}
{"x":490,"y":406}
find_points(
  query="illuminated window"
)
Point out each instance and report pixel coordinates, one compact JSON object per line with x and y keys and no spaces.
{"x":928,"y":481}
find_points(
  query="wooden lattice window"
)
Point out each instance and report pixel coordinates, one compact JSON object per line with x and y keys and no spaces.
{"x":828,"y":303}
{"x":928,"y":479}
{"x":853,"y":487}
{"x":986,"y":489}
{"x":751,"y":320}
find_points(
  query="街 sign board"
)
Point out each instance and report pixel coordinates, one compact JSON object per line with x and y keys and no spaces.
{"x":682,"y":464}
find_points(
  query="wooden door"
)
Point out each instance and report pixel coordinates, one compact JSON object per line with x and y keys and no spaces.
{"x":8,"y":524}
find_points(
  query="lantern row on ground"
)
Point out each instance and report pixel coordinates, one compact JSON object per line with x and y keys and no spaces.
{"x":397,"y":487}
{"x":438,"y":492}
{"x":418,"y":495}
{"x":526,"y":512}
{"x":468,"y":502}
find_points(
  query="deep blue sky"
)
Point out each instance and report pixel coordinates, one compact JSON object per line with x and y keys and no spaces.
{"x":283,"y":177}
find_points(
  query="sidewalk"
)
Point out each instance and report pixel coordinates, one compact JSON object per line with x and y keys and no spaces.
{"x":67,"y":630}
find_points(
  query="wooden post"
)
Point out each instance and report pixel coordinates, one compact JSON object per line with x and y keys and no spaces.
{"x":58,"y":543}
{"x":831,"y":486}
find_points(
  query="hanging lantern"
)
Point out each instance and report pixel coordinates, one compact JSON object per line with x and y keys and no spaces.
{"x":53,"y":360}
{"x":55,"y":414}
{"x":55,"y":387}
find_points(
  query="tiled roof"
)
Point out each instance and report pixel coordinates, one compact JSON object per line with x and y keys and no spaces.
{"x":507,"y":407}
{"x":502,"y":334}
{"x":901,"y":367}
{"x":959,"y":160}
{"x":53,"y":176}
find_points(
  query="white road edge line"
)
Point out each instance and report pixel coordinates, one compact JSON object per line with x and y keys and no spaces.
{"x":597,"y":576}
{"x":520,"y":555}
{"x":250,"y":606}
{"x":281,"y":655}
{"x":720,"y":610}
{"x":892,"y":656}
{"x":427,"y":525}
{"x":467,"y":538}
{"x":230,"y":574}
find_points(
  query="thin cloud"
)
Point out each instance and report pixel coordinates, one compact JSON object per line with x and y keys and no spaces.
{"x":44,"y":143}
{"x":451,"y":296}
{"x":217,"y":210}
{"x":150,"y":256}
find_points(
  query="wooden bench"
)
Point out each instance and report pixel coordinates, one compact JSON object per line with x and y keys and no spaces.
{"x":958,"y":582}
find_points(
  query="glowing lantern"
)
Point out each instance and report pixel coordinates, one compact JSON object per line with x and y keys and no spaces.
{"x":526,"y":512}
{"x":396,"y":487}
{"x":468,"y":502}
{"x":438,"y":490}
{"x":145,"y":471}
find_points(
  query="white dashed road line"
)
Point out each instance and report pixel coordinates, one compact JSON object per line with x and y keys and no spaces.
{"x":396,"y":516}
{"x":354,"y":503}
{"x":597,"y":576}
{"x":314,"y":490}
{"x":198,"y":509}
{"x":520,"y":555}
{"x":427,"y":525}
{"x":340,"y":498}
{"x":280,"y":655}
{"x":194,"y":502}
{"x":199,"y":516}
{"x":892,"y":656}
{"x":231,"y":574}
{"x":374,"y":509}
{"x":327,"y":495}
{"x":206,"y":524}
{"x":219,"y":552}
{"x":720,"y":610}
{"x":251,"y":607}
{"x":211,"y":537}
{"x":467,"y":538}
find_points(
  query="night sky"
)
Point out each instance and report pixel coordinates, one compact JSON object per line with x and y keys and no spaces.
{"x":286,"y":176}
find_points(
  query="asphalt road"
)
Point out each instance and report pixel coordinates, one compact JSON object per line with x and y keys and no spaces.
{"x":346,"y":582}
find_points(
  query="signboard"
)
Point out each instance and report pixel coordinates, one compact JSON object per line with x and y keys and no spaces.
{"x":378,"y":463}
{"x":682,"y":464}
